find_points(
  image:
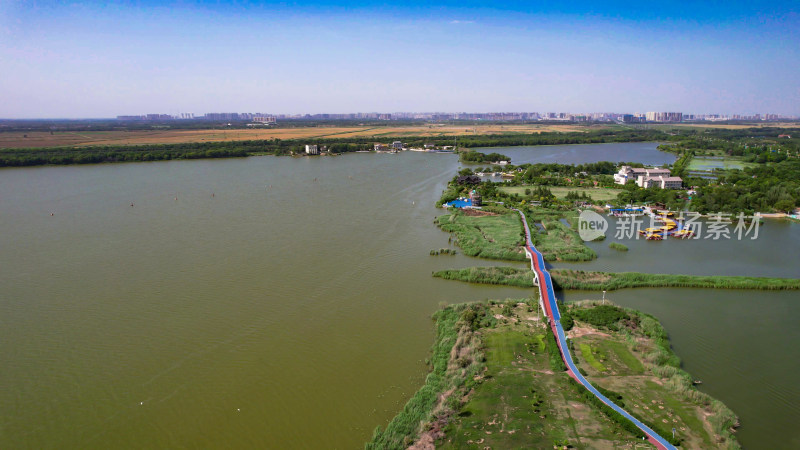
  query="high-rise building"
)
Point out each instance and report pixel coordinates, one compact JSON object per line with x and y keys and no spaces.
{"x":664,"y":116}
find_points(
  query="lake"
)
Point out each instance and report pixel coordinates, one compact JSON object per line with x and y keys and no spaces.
{"x":286,"y":303}
{"x":643,"y":152}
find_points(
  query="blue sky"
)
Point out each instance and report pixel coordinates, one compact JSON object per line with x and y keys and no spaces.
{"x":84,"y":59}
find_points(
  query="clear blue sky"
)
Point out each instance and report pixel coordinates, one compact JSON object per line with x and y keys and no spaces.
{"x":93,"y":59}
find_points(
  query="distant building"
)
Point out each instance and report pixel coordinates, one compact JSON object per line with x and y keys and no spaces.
{"x":158,"y":117}
{"x":260,"y":118}
{"x":397,"y":145}
{"x":630,"y":118}
{"x":627,"y":173}
{"x":380,"y":147}
{"x":660,"y":182}
{"x":222,"y":116}
{"x":312,"y":149}
{"x":664,"y":116}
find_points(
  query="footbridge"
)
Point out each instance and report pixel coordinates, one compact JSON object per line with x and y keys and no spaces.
{"x":548,"y":301}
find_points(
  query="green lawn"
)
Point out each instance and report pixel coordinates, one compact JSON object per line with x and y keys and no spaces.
{"x":597,"y":194}
{"x":557,"y":242}
{"x":624,"y":355}
{"x":588,"y":354}
{"x":540,"y":342}
{"x":701,"y":163}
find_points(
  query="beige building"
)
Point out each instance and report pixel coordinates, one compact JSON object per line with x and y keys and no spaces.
{"x":660,"y":181}
{"x":647,"y":177}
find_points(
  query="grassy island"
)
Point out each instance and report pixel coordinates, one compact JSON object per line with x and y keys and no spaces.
{"x":487,"y":235}
{"x":497,"y":234}
{"x":496,"y":380}
{"x":618,"y":247}
{"x":609,"y":281}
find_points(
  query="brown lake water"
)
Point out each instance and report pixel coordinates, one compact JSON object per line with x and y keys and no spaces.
{"x":292,"y":308}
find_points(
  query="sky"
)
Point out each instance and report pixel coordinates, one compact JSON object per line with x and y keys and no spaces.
{"x":103,"y":59}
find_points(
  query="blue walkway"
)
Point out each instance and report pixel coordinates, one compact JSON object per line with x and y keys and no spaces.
{"x":550,"y":305}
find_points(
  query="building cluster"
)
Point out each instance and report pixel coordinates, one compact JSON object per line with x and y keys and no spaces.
{"x":647,"y":117}
{"x":648,"y":177}
{"x":258,"y":118}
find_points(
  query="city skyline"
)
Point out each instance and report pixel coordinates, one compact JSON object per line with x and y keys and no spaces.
{"x":88,"y":59}
{"x":649,"y":116}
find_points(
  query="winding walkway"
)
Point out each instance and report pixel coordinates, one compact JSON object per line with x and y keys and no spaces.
{"x":549,"y":303}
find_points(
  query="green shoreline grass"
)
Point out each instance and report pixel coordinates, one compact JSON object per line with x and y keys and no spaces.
{"x":606,"y":281}
{"x":455,"y":361}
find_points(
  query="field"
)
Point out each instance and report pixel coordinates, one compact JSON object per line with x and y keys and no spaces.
{"x":556,"y":240}
{"x":171,"y":136}
{"x":31,"y":139}
{"x":703,"y":164}
{"x":597,"y":194}
{"x":491,"y":237}
{"x":730,"y":126}
{"x":523,"y":401}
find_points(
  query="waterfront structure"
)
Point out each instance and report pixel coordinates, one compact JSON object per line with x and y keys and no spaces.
{"x":312,"y":149}
{"x":397,"y":145}
{"x":381,"y":147}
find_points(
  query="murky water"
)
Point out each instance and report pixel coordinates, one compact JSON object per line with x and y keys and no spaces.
{"x":643,"y":152}
{"x":275,"y":302}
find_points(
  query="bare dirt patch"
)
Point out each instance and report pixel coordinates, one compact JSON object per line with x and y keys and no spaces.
{"x":478,"y":213}
{"x":577,"y":332}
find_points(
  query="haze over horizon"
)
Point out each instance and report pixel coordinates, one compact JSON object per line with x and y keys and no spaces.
{"x":93,"y":59}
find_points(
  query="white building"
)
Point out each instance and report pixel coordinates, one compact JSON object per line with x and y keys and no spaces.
{"x":645,"y":177}
{"x":312,"y":149}
{"x":660,"y":181}
{"x":627,"y":173}
{"x":397,"y":145}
